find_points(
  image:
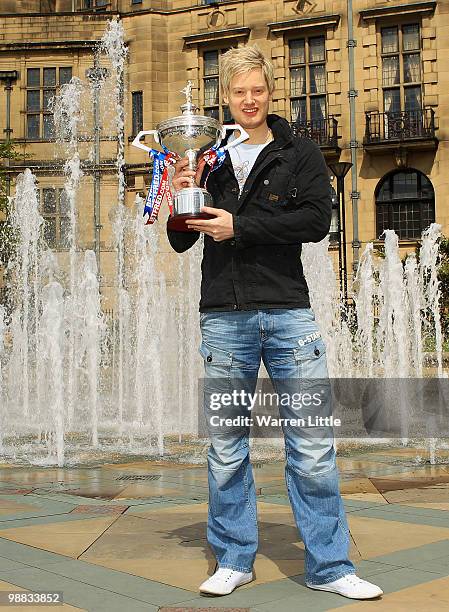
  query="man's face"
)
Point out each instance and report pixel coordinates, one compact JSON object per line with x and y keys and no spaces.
{"x":249,"y":98}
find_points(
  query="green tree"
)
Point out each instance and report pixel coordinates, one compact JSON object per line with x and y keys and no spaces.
{"x":443,"y":277}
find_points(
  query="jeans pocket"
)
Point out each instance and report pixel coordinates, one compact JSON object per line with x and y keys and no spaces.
{"x":217,"y":386}
{"x":310,"y":346}
{"x":304,"y":314}
{"x":214,"y":356}
{"x":313,"y":373}
{"x":311,"y":359}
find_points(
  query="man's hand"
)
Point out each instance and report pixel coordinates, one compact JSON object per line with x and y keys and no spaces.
{"x":184,"y":177}
{"x":220,"y":228}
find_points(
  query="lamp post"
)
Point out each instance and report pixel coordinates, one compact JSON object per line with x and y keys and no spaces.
{"x":340,"y":170}
{"x":8,"y":77}
{"x":335,"y":230}
{"x":96,"y":76}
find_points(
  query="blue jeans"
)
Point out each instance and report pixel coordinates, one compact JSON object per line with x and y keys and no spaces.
{"x":289,"y":342}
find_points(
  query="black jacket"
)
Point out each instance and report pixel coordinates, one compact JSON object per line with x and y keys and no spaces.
{"x":286,"y":201}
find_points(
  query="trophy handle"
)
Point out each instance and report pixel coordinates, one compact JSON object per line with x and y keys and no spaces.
{"x":136,"y":142}
{"x":243,"y":135}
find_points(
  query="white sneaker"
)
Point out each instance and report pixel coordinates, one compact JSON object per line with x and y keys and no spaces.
{"x":224,"y":581}
{"x":350,"y":586}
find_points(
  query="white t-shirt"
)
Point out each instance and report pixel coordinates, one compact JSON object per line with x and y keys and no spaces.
{"x":243,"y":157}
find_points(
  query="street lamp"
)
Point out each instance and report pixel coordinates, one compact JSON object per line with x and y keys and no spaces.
{"x":335,"y":230}
{"x":335,"y":218}
{"x":8,"y":77}
{"x":96,"y":75}
{"x":340,"y":170}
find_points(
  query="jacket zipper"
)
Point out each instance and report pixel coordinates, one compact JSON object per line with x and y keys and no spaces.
{"x":257,"y":169}
{"x":265,"y":152}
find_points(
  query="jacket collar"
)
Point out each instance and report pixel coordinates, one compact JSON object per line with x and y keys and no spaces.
{"x":282,"y":137}
{"x":281,"y":129}
{"x":278,"y":125}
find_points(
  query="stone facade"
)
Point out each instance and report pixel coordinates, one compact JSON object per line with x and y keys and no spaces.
{"x":167,"y":39}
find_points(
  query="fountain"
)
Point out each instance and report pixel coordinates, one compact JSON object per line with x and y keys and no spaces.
{"x":77,"y":385}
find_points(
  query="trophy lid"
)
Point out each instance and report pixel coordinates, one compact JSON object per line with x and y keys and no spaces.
{"x":188,"y":108}
{"x":189,"y":131}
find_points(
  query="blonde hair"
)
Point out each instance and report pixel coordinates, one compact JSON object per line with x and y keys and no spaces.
{"x":235,"y":61}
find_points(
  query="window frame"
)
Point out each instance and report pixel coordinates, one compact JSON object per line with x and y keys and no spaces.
{"x":389,"y":204}
{"x":224,"y":115}
{"x":60,"y":242}
{"x":307,"y":64}
{"x":43,"y":112}
{"x":94,"y":6}
{"x":136,"y":129}
{"x":401,"y":86}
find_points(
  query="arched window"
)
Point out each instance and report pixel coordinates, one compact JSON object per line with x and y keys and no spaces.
{"x":405,"y":202}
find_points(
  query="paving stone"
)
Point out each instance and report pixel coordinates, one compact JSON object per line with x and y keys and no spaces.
{"x":99,"y":509}
{"x":154,"y":539}
{"x":204,"y":609}
{"x":77,"y":593}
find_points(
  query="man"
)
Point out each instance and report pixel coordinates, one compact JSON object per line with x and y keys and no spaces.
{"x":270,"y":195}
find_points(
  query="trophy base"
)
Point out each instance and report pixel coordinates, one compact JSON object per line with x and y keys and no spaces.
{"x":190,"y":200}
{"x":177,"y":223}
{"x":187,"y":204}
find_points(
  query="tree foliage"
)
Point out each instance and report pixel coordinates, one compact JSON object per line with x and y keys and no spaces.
{"x":443,"y":277}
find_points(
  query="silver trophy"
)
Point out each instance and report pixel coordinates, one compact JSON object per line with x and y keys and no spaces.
{"x":189,"y":135}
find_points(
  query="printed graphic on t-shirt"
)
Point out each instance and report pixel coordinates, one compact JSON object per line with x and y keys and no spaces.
{"x":241,"y":172}
{"x":243,"y":157}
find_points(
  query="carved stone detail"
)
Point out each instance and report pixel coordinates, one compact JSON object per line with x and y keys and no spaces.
{"x":216,"y":19}
{"x":304,"y":7}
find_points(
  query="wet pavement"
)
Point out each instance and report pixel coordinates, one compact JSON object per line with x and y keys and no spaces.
{"x":132,"y":536}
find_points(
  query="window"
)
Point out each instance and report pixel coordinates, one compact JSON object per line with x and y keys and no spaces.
{"x":90,"y":4}
{"x":137,"y":112}
{"x":307,"y":71}
{"x":405,"y":202}
{"x":401,"y":68}
{"x":136,"y":1}
{"x":54,"y":208}
{"x":42,"y":84}
{"x":213,"y":105}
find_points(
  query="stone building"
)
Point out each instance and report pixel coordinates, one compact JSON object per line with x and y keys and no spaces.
{"x":372,"y":90}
